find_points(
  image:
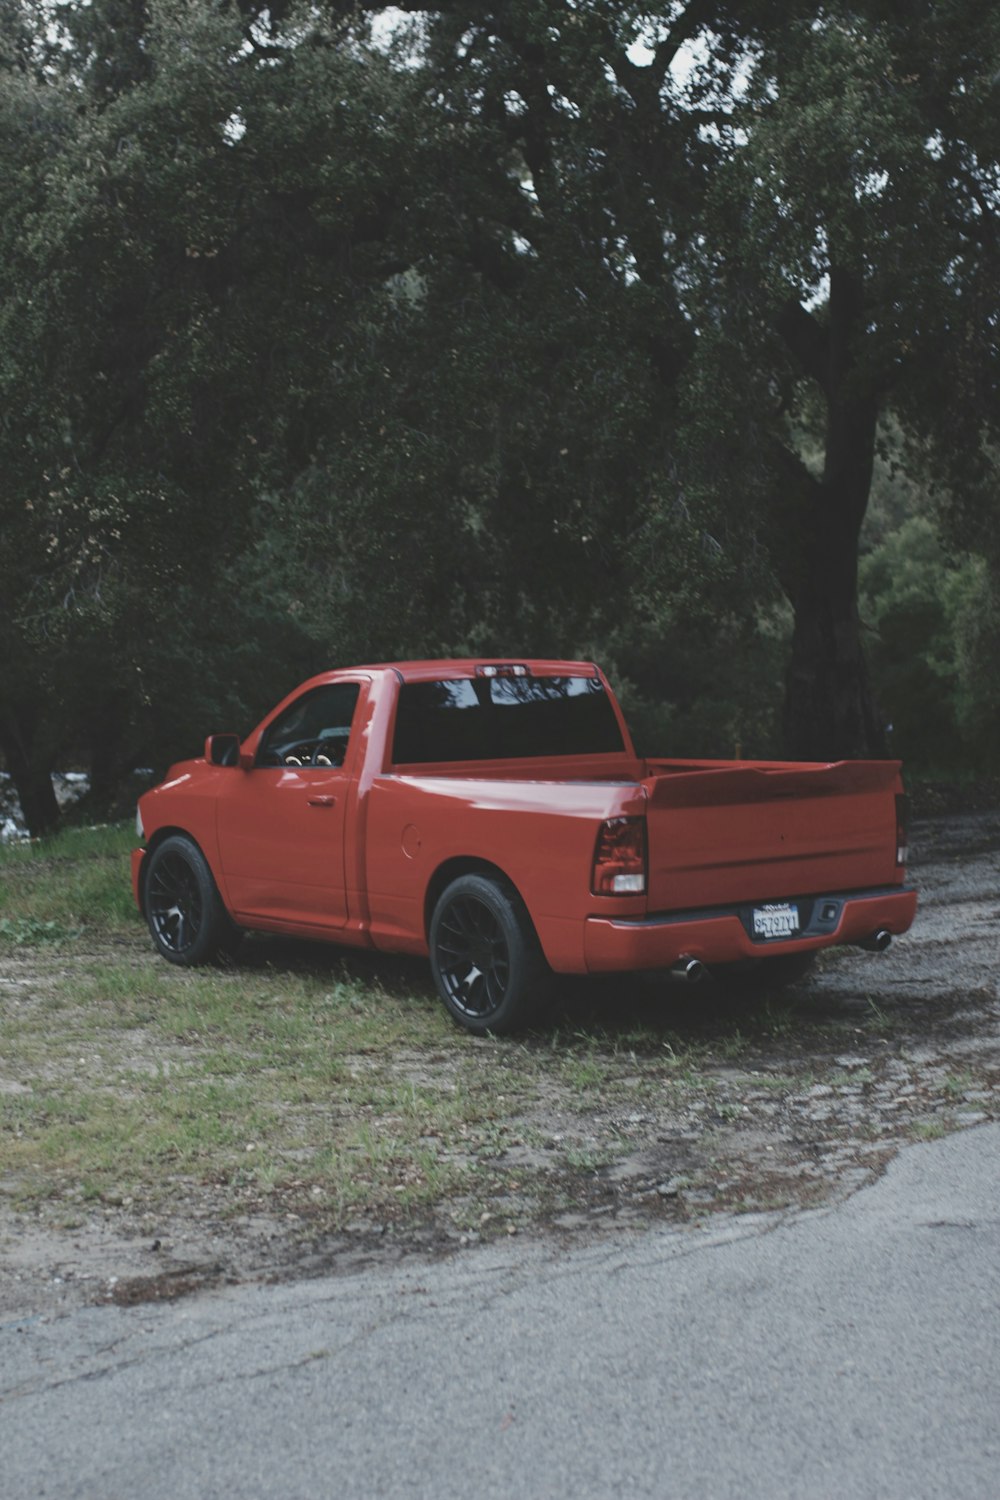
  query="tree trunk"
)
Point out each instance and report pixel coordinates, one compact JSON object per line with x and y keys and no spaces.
{"x":830,"y":713}
{"x":829,"y":710}
{"x":32,"y":778}
{"x":111,"y":756}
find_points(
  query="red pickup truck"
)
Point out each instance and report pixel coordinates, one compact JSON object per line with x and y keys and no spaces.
{"x":496,"y":816}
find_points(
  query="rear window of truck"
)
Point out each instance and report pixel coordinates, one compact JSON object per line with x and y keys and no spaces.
{"x":500,"y":718}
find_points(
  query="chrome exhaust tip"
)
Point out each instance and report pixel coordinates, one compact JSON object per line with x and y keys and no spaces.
{"x":878,"y":942}
{"x":688,"y":969}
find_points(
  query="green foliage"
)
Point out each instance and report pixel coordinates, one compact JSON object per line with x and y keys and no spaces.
{"x":55,"y":889}
{"x":918,"y":602}
{"x":173,"y":300}
{"x":844,"y":247}
{"x":978,"y":692}
{"x":317,"y":348}
{"x":29,"y":931}
{"x":930,"y":615}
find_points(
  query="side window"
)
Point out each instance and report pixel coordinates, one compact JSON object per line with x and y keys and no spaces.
{"x":312,"y":731}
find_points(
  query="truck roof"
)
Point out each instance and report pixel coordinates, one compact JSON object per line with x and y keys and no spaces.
{"x":466,"y":666}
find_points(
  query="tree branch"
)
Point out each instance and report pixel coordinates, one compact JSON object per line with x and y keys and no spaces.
{"x":684,"y":28}
{"x":807,"y":340}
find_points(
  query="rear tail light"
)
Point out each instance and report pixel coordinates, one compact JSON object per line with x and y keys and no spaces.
{"x":902,"y":828}
{"x":620,"y":858}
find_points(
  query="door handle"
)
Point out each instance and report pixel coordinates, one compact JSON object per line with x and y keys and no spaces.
{"x":322,"y":801}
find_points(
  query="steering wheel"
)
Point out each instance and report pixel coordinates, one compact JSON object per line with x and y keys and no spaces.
{"x":325,"y":752}
{"x":307,"y":753}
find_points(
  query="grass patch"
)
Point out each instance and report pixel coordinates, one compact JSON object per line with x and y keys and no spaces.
{"x":25,"y":932}
{"x":295,"y":1077}
{"x":958,"y":1084}
{"x":331,"y":1088}
{"x":782,"y":1083}
{"x":253,"y":1083}
{"x":77,"y":880}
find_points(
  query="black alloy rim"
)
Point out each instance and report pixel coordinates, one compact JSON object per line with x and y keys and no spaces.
{"x":472,"y":957}
{"x":174,"y":902}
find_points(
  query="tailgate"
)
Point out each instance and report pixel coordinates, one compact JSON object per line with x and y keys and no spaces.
{"x":762,"y":831}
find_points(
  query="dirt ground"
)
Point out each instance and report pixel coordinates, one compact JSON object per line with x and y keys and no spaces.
{"x":797,"y":1102}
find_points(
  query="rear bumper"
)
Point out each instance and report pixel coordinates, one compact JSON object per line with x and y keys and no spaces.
{"x":721,"y":935}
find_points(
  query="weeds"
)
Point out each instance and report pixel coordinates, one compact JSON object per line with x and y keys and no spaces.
{"x":928,"y":1129}
{"x":78,"y":880}
{"x":26,"y":932}
{"x":850,"y":1078}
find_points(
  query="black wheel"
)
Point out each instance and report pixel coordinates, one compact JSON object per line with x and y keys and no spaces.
{"x":184,"y":910}
{"x":759,"y":974}
{"x":485,"y":957}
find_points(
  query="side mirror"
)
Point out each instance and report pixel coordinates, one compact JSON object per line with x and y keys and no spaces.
{"x":223,"y":750}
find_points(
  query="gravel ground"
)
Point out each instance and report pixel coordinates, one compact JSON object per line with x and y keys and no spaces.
{"x":797,"y":1101}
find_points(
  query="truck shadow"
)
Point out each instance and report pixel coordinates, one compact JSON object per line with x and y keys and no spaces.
{"x":652,"y":1011}
{"x":644,"y":1012}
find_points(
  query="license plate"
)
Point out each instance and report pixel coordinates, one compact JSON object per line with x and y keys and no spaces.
{"x":777,"y":920}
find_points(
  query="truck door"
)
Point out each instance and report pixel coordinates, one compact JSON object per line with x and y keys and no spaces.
{"x":281,"y":823}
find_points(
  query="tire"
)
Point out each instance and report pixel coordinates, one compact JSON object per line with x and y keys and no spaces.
{"x":184,"y":911}
{"x":759,"y":974}
{"x":487,"y":964}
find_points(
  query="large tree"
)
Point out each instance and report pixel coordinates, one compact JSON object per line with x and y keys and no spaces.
{"x":504,"y":331}
{"x":188,"y":239}
{"x":799,"y":195}
{"x":851,"y":236}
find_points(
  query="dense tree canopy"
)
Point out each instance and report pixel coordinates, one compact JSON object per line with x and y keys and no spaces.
{"x":331,"y":333}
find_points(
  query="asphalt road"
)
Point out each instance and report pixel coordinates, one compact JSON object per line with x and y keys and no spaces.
{"x":853,"y":1352}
